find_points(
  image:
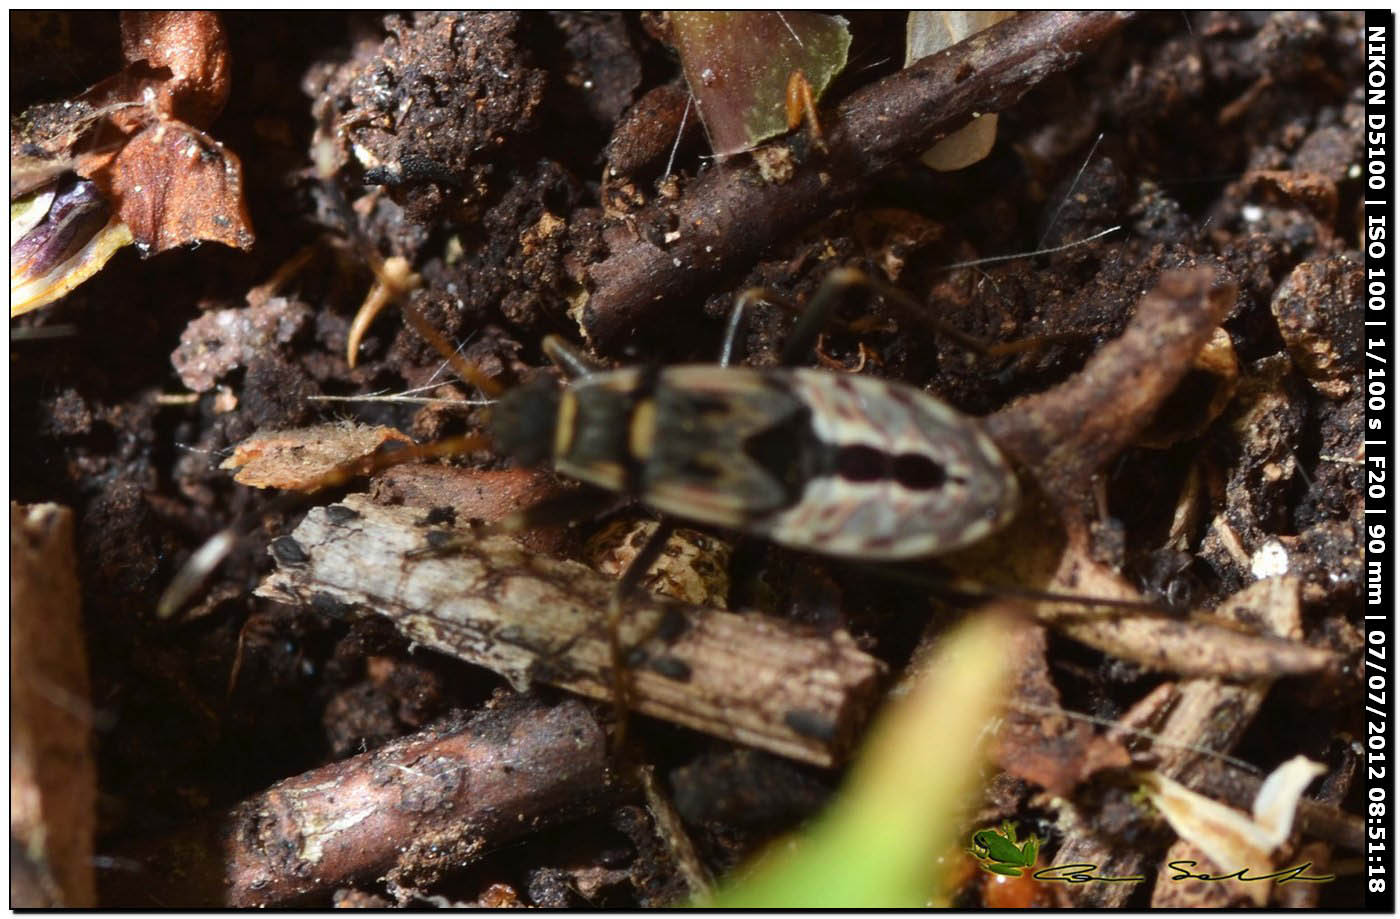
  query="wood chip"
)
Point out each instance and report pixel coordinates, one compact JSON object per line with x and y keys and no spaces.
{"x":53,"y":774}
{"x":749,"y":679}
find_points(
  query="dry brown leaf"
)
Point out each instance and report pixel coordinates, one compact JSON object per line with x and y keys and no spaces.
{"x":168,"y":181}
{"x":1037,"y":742}
{"x":299,"y":459}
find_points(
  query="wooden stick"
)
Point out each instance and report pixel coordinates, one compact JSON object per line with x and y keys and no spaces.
{"x":750,"y":679}
{"x":405,"y":812}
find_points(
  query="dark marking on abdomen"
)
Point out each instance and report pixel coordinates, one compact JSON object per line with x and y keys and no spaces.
{"x":917,"y":472}
{"x":914,"y":471}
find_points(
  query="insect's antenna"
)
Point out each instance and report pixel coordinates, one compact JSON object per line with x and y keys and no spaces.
{"x":463,"y":367}
{"x":1119,"y":727}
{"x":215,"y":549}
{"x":993,"y":259}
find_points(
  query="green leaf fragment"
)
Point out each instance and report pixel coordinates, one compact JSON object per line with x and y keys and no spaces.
{"x":738,"y":65}
{"x":880,"y":842}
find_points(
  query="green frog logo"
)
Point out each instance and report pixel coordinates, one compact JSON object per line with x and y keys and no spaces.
{"x":1000,"y":852}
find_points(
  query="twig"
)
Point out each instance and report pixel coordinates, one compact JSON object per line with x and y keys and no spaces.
{"x":414,"y":807}
{"x":730,"y":215}
{"x":749,"y":679}
{"x":1068,"y":434}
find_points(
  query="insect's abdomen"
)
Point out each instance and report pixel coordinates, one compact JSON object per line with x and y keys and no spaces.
{"x":904,"y":476}
{"x":831,"y":463}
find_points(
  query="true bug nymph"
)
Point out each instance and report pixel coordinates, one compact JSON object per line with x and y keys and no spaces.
{"x":837,"y":464}
{"x":832,"y":463}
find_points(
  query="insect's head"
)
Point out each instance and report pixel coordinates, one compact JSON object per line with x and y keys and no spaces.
{"x":523,"y":421}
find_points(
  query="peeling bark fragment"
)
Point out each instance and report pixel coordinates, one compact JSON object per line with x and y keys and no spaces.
{"x":301,"y":458}
{"x":535,"y":619}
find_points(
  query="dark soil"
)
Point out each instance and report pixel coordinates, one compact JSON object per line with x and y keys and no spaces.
{"x":1225,"y":139}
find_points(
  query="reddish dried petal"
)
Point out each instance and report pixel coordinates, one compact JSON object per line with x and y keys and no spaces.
{"x":194,"y":48}
{"x":174,"y":185}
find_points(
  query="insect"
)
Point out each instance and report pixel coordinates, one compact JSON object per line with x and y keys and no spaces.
{"x":839,"y":464}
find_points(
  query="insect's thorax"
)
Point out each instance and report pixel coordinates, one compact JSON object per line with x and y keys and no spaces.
{"x":834,"y":463}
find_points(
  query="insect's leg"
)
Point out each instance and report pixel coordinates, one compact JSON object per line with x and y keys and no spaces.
{"x":818,"y":312}
{"x":810,"y":320}
{"x":626,"y":586}
{"x":734,"y":325}
{"x":840,"y":281}
{"x":800,"y":105}
{"x":975,"y":590}
{"x":565,"y":507}
{"x":571,"y":362}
